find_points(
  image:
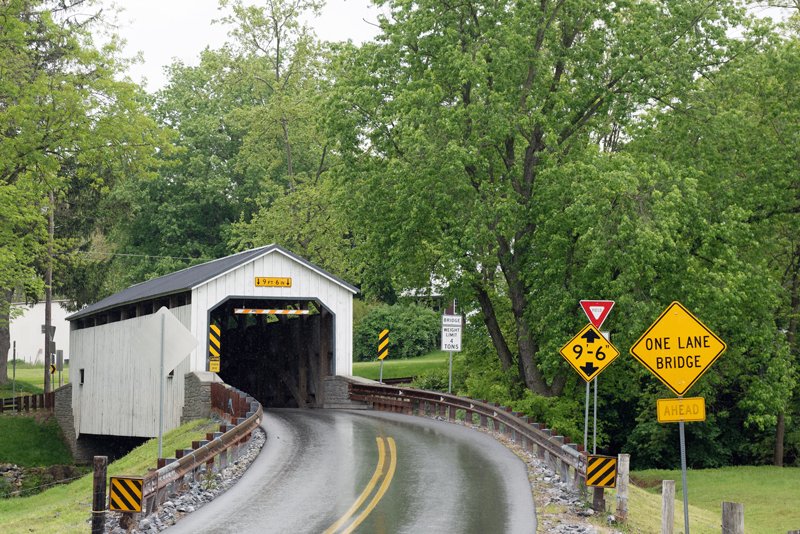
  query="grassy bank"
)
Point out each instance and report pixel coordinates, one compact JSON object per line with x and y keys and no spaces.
{"x":402,"y":368}
{"x":769,"y":494}
{"x":30,"y":379}
{"x":67,"y":509}
{"x":32,"y":441}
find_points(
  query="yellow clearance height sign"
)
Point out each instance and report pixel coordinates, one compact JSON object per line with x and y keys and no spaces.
{"x":678,"y":348}
{"x":273,"y":281}
{"x":589,"y":352}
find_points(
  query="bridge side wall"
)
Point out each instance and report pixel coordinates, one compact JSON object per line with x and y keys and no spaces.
{"x":119,"y":395}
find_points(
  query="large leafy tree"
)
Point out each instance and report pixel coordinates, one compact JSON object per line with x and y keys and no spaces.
{"x":465,"y":128}
{"x":742,"y":133}
{"x":68,"y":130}
{"x":252,"y":164}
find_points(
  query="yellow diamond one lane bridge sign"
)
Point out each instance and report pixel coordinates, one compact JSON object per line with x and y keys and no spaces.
{"x":678,"y":348}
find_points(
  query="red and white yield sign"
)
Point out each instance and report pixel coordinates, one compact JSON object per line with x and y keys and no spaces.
{"x":597,"y":310}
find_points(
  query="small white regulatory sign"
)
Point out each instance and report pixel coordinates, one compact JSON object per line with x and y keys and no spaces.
{"x":451,"y":320}
{"x":451,"y":333}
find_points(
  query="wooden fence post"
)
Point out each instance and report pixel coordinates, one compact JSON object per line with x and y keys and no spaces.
{"x":99,"y":495}
{"x":732,"y":518}
{"x":598,"y":500}
{"x":667,"y":506}
{"x":623,"y":469}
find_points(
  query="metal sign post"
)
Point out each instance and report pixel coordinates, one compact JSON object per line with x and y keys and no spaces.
{"x":683,"y":480}
{"x":161,"y":381}
{"x":594,"y":434}
{"x":586,"y":421}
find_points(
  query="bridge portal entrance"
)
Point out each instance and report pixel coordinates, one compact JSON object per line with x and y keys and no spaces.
{"x":276,"y":350}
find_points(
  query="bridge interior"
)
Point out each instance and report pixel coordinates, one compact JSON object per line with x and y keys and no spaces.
{"x":279,"y":359}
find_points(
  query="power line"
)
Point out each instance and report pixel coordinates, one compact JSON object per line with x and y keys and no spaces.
{"x":87,"y":253}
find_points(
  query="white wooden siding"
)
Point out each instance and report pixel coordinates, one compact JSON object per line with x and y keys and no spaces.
{"x":306,"y":284}
{"x":120,"y":393}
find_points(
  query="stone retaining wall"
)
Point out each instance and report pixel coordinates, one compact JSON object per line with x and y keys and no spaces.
{"x":197,"y":395}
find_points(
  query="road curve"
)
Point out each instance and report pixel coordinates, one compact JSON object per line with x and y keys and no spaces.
{"x":372,"y":472}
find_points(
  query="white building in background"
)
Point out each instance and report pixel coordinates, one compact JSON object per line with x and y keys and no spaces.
{"x":26,"y":331}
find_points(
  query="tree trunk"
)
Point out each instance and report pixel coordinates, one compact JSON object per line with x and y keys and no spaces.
{"x":526,"y":343}
{"x":528,"y":369}
{"x":780,"y":433}
{"x":495,"y":333}
{"x":5,"y":332}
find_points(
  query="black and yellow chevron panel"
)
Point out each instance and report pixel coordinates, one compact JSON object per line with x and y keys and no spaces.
{"x":383,"y":344}
{"x":214,"y":348}
{"x":601,"y":471}
{"x":126,"y":494}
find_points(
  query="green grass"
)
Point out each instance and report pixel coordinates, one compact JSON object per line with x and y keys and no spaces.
{"x":30,"y":379}
{"x":31,"y":441}
{"x":67,"y":509}
{"x":769,"y":494}
{"x":402,"y":368}
{"x":644,"y":513}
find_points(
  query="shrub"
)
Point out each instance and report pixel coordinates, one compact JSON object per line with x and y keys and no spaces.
{"x":559,"y":413}
{"x":413,"y":331}
{"x":432,"y":380}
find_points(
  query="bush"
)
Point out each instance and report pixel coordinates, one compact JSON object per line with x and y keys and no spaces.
{"x":558,"y":413}
{"x":432,"y":381}
{"x":413,"y":331}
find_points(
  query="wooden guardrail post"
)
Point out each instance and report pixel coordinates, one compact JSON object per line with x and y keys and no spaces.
{"x":667,"y":506}
{"x":99,"y":495}
{"x":598,"y":500}
{"x":732,"y":518}
{"x":623,"y":469}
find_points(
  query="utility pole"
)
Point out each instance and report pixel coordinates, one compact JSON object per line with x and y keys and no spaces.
{"x":48,"y":294}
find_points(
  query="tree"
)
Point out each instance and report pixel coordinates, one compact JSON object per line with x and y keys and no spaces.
{"x":456,"y":124}
{"x":252,"y":162}
{"x":741,"y":133}
{"x":68,"y":129}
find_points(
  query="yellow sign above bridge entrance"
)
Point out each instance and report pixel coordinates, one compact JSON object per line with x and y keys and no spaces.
{"x":678,"y":348}
{"x":273,"y":281}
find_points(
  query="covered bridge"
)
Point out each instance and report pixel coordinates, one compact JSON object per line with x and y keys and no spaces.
{"x":266,"y":320}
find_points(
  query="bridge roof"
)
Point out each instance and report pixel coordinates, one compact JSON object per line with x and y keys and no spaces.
{"x":192,"y":277}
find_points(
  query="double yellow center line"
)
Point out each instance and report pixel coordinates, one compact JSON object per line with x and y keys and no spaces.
{"x":382,"y":471}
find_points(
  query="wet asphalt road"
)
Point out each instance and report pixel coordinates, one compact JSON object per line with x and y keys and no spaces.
{"x":434,"y":477}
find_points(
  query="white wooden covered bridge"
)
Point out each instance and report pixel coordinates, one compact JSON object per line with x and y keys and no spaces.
{"x":268,"y":321}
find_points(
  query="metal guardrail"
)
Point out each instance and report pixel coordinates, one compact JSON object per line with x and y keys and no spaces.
{"x":242,"y":413}
{"x":567,"y":459}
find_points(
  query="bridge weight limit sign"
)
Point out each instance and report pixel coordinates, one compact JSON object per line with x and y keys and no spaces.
{"x":451,"y":340}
